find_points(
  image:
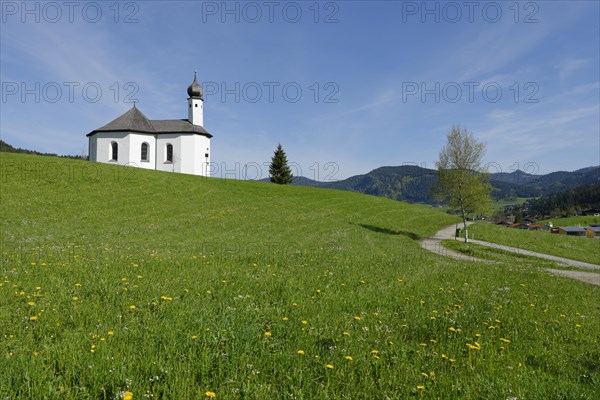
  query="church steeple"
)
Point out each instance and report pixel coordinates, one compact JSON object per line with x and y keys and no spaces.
{"x":195,"y":90}
{"x":195,"y":103}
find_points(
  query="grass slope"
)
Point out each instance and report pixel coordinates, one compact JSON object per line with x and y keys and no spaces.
{"x":573,"y":221}
{"x":120,"y":280}
{"x":576,"y":248}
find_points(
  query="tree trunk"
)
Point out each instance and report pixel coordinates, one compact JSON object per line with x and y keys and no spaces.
{"x":466,"y":230}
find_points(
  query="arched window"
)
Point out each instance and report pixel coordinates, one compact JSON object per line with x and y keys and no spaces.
{"x":145,"y":151}
{"x":169,"y":152}
{"x":114,"y":147}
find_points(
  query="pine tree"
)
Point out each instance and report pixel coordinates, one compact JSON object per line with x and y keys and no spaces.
{"x":279,"y":170}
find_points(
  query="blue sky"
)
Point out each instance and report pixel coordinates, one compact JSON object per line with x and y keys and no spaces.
{"x":344,"y":86}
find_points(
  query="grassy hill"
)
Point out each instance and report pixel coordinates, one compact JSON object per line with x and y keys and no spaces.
{"x":120,"y":280}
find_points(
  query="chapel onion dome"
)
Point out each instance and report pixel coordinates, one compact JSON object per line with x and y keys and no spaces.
{"x":195,"y":90}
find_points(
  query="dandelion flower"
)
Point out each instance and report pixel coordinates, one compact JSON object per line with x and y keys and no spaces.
{"x":33,"y":318}
{"x":452,"y":329}
{"x":346,"y":333}
{"x":300,"y":352}
{"x":349,"y":358}
{"x":329,"y":366}
{"x":284,"y":318}
{"x":304,"y":322}
{"x":420,"y":387}
{"x":357,"y":318}
{"x":268,"y":334}
{"x":31,"y":303}
{"x":505,"y":340}
{"x":132,"y":307}
{"x":210,"y":394}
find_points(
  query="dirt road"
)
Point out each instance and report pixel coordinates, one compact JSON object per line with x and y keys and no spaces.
{"x":434,"y":244}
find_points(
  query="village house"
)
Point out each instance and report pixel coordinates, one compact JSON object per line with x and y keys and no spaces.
{"x":572,"y":230}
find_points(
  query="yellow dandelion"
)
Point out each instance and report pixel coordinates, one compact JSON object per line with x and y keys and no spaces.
{"x":33,"y":318}
{"x":505,"y":340}
{"x":268,"y":334}
{"x":357,"y":318}
{"x":210,"y":394}
{"x":423,"y":344}
{"x":452,"y":329}
{"x":420,"y":387}
{"x":300,"y":352}
{"x":110,"y":333}
{"x":194,"y":337}
{"x":424,"y":375}
{"x":132,"y":307}
{"x":346,"y":333}
{"x":75,"y":298}
{"x":329,"y":366}
{"x":349,"y":358}
{"x":304,"y":322}
{"x":374,"y":351}
{"x":31,"y":303}
{"x":284,"y":318}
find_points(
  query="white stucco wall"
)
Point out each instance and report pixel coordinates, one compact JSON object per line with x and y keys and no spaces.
{"x":196,"y":111}
{"x":101,"y":142}
{"x":135,"y":150}
{"x":189,"y":151}
{"x":161,"y":152}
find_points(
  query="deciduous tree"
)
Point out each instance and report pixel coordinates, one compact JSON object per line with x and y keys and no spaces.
{"x":463,"y":182}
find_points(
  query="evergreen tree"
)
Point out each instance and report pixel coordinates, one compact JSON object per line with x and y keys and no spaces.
{"x":279,"y":170}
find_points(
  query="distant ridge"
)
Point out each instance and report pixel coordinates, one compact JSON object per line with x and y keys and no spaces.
{"x":7,"y":148}
{"x":413,"y":183}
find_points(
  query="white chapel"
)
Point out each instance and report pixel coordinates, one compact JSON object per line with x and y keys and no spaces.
{"x":174,"y":145}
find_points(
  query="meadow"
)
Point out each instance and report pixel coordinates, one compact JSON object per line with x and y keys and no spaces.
{"x":584,"y":220}
{"x":576,"y":248}
{"x":119,"y":283}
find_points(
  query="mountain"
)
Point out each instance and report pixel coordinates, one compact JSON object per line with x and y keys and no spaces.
{"x":413,"y":184}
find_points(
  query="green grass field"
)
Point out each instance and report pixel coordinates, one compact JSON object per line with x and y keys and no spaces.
{"x":120,"y":283}
{"x":500,"y":204}
{"x":576,"y":248}
{"x":573,"y":221}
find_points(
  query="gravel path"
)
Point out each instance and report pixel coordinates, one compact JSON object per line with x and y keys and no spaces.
{"x":434,"y":244}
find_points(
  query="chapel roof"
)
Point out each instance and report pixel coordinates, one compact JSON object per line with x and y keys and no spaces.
{"x":135,"y":121}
